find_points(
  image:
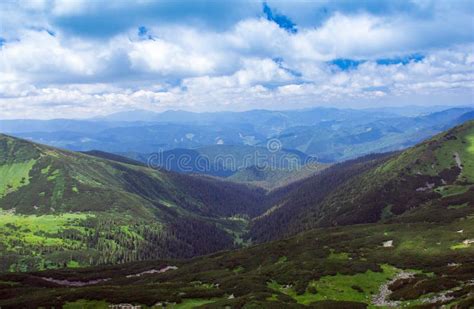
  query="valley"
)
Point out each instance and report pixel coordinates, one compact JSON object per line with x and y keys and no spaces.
{"x":240,"y":154}
{"x":392,"y":229}
{"x":63,"y":208}
{"x":346,"y":267}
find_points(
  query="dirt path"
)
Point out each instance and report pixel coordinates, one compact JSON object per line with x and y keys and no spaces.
{"x":75,"y":283}
{"x":457,"y":158}
{"x":381,"y":299}
{"x":96,"y":281}
{"x":153,"y":271}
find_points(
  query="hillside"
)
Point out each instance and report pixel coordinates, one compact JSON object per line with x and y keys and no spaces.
{"x":416,"y":265}
{"x":62,"y":208}
{"x":273,"y":178}
{"x":339,"y":140}
{"x":393,"y":230}
{"x":431,"y":182}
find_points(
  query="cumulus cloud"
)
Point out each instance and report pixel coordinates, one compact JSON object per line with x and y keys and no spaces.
{"x":67,"y":7}
{"x":166,"y":58}
{"x":39,"y":52}
{"x":47,"y":71}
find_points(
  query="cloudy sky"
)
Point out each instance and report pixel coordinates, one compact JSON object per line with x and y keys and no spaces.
{"x":82,"y":58}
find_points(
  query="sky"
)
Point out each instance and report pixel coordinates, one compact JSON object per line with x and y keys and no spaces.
{"x":79,"y":59}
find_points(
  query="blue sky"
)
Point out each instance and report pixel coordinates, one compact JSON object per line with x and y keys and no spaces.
{"x":77,"y":58}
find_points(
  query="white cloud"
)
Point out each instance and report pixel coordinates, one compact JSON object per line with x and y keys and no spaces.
{"x":442,"y":74}
{"x":166,"y":58}
{"x":351,"y":36}
{"x":254,"y":64}
{"x":38,"y":54}
{"x":254,"y":71}
{"x":35,"y":5}
{"x":66,"y":7}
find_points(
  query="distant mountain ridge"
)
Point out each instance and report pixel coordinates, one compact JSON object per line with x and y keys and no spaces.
{"x":339,"y":141}
{"x":209,"y":117}
{"x":329,"y":134}
{"x":223,"y":160}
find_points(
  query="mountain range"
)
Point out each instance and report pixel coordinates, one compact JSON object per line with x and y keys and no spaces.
{"x":328,"y":134}
{"x":384,"y":230}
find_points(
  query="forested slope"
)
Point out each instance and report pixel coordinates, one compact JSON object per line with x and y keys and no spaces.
{"x":419,"y":184}
{"x":63,"y":208}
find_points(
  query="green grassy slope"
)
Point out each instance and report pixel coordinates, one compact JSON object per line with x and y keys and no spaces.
{"x":60,"y":208}
{"x":433,"y":182}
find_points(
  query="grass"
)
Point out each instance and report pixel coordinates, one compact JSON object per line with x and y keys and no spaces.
{"x":359,"y":287}
{"x":37,"y":234}
{"x":58,"y":190}
{"x":460,"y":246}
{"x":431,"y":242}
{"x":72,"y":240}
{"x":274,"y":297}
{"x":73,"y":264}
{"x":464,"y":146}
{"x":460,"y":206}
{"x":87,"y":304}
{"x":32,"y":225}
{"x":452,"y":190}
{"x":470,"y":148}
{"x":468,"y":163}
{"x":192,"y":303}
{"x":14,"y":176}
{"x":340,"y":256}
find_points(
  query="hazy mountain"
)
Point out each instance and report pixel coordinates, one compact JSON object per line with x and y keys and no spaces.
{"x":223,"y":160}
{"x":343,"y":140}
{"x":411,"y":110}
{"x":328,"y":134}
